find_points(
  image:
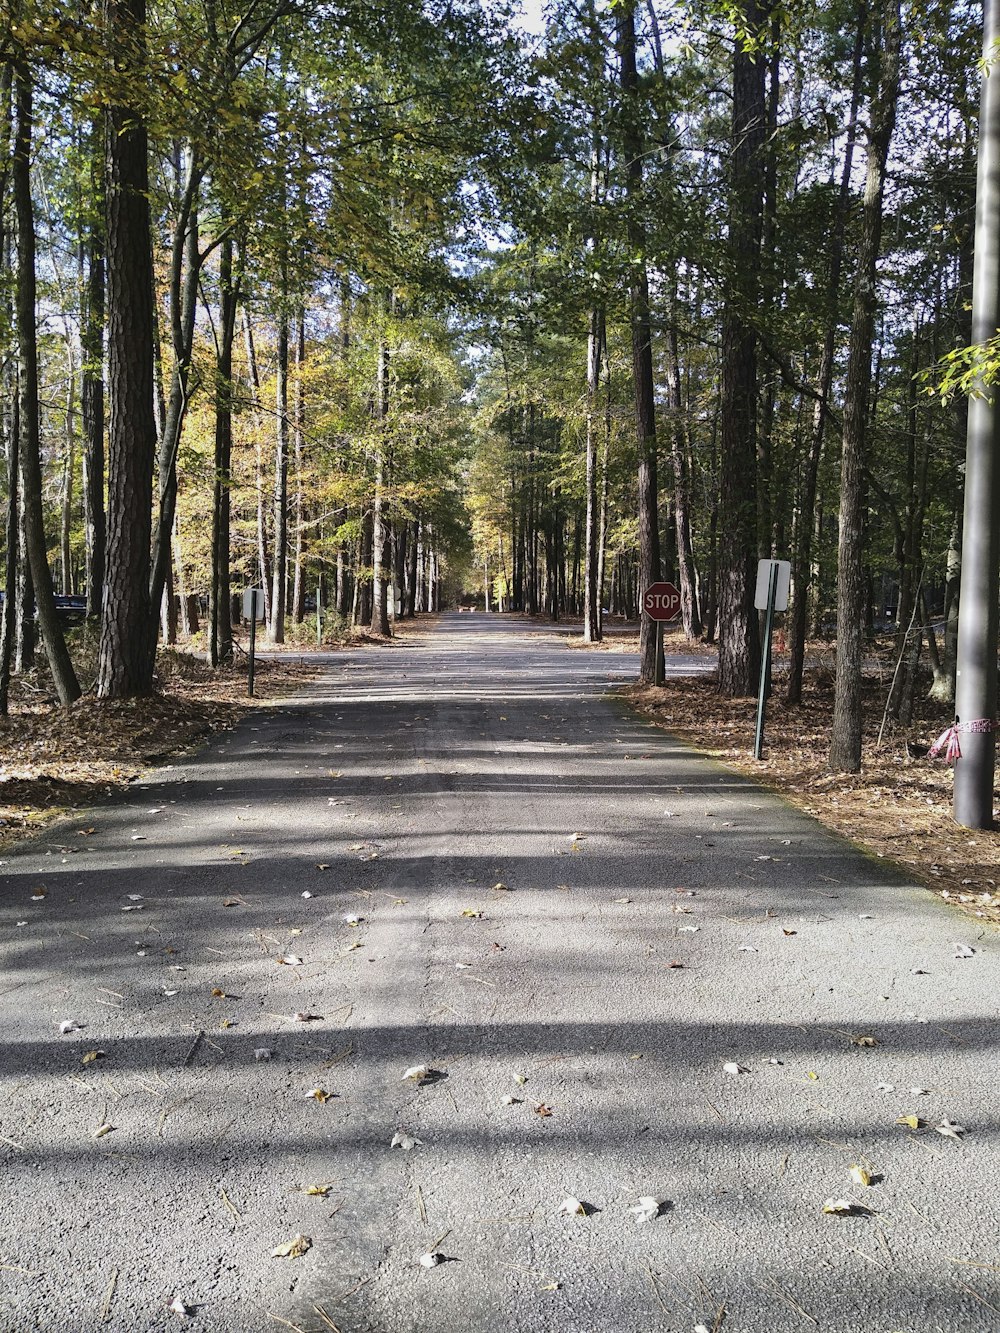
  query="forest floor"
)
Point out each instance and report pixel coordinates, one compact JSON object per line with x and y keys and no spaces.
{"x":899,"y":807}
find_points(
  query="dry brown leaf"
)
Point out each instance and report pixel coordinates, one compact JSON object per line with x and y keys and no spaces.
{"x":292,"y":1249}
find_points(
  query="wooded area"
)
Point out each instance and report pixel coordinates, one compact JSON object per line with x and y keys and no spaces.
{"x":379,"y":306}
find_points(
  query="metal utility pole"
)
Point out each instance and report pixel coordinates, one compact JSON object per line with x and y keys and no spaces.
{"x":976,"y":680}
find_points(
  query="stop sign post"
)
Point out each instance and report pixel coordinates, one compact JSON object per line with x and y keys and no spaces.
{"x":661,"y":602}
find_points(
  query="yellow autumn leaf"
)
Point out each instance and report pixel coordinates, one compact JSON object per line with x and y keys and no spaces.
{"x":911,"y":1121}
{"x":318,"y":1191}
{"x":860,"y":1176}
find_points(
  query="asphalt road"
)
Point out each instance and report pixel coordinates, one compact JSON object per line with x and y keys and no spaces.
{"x":574,"y":921}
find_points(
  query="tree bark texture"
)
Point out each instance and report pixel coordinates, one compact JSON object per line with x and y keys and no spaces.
{"x":92,"y":382}
{"x":739,"y":635}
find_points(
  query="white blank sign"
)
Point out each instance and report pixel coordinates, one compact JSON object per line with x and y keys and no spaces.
{"x":764,"y":568}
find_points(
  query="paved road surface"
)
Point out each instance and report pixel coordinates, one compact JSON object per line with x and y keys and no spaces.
{"x":405,"y":788}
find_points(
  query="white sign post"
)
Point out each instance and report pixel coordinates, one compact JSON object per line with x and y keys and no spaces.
{"x":773,"y":580}
{"x":253,"y":610}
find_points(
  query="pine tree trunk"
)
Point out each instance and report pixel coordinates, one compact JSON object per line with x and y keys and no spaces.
{"x":298,"y":436}
{"x":92,"y":387}
{"x":25,"y":301}
{"x":128,"y":623}
{"x":220,"y":622}
{"x":279,"y":571}
{"x":380,"y":529}
{"x":642,"y":352}
{"x":739,"y":635}
{"x":845,"y":744}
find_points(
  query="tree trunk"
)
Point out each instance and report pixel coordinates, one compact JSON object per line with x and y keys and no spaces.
{"x":380,"y":528}
{"x":802,"y":546}
{"x":92,"y":385}
{"x":220,"y":621}
{"x":642,"y":352}
{"x":279,"y":572}
{"x":739,"y":635}
{"x":845,"y":745}
{"x":128,"y":624}
{"x":185,"y":272}
{"x":63,"y":675}
{"x":298,"y":436}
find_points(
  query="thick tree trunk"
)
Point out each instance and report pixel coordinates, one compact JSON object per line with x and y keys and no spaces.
{"x":739,"y":635}
{"x":845,"y":745}
{"x":642,"y":351}
{"x":128,"y":624}
{"x":63,"y":675}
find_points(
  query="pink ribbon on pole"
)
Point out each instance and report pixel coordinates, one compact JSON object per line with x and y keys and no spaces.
{"x":948,"y":740}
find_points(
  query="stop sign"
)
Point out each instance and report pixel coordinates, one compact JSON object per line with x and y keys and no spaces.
{"x":661,"y":601}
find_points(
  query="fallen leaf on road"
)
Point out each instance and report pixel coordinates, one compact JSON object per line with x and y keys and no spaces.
{"x":746,"y":948}
{"x":292,"y":1249}
{"x":864,"y":1041}
{"x":541,"y":1109}
{"x":178,"y":1306}
{"x":647,"y":1208}
{"x":521,"y":1078}
{"x":319,"y":1095}
{"x":218,"y":994}
{"x":949,"y":1129}
{"x":731,"y":1067}
{"x":910,"y":1121}
{"x":317,"y":1191}
{"x":964,"y":951}
{"x":838,"y":1207}
{"x":417,"y":1073}
{"x":262,"y":1053}
{"x":305,"y":1017}
{"x":431,"y":1259}
{"x":788,"y":932}
{"x":69,"y":1025}
{"x":690,"y":929}
{"x":860,"y":1176}
{"x":405,"y":1141}
{"x":321,"y":865}
{"x":231,"y":902}
{"x":100,"y":1132}
{"x":472,"y":911}
{"x":291,"y":960}
{"x":622,"y":900}
{"x":550,"y":1286}
{"x":91,"y":1056}
{"x":501,"y":888}
{"x":38,"y":894}
{"x":352,"y":920}
{"x":919,"y":1092}
{"x":673,"y":963}
{"x":460,"y":967}
{"x":571,"y":1207}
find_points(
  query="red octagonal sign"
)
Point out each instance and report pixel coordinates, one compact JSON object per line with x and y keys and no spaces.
{"x":661,"y":601}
